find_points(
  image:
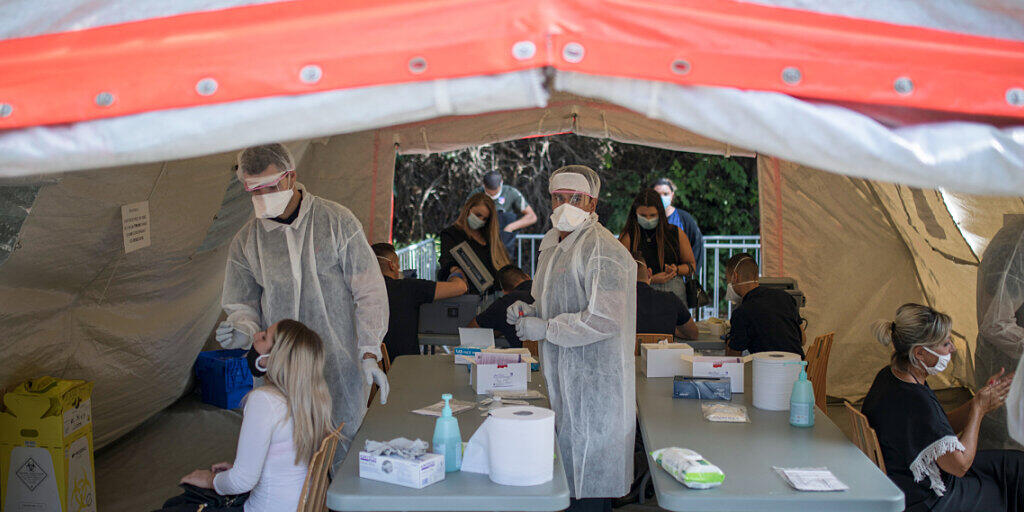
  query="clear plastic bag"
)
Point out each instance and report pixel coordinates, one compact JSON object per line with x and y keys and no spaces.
{"x":724,"y":412}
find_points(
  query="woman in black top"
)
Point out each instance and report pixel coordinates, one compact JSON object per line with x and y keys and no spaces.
{"x":936,"y":468}
{"x":663,"y":247}
{"x":477,"y":224}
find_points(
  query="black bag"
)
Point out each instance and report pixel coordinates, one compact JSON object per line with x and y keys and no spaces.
{"x":696,"y":297}
{"x":195,"y":499}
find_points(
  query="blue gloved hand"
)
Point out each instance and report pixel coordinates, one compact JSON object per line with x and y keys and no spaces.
{"x":229,"y":336}
{"x":517,"y":310}
{"x":532,"y":328}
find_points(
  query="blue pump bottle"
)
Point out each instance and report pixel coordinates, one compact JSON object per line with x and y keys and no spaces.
{"x":447,"y":438}
{"x":801,"y":401}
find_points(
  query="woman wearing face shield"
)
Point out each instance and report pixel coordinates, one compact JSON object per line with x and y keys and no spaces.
{"x":663,"y":247}
{"x":584,"y":314}
{"x":937,"y":468}
{"x":476,"y":224}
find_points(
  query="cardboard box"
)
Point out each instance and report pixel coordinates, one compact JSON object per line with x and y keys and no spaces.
{"x":525,"y":352}
{"x":485,"y":378}
{"x":418,"y":473}
{"x":464,"y":355}
{"x":706,"y":366}
{"x":46,"y":447}
{"x":663,"y":359}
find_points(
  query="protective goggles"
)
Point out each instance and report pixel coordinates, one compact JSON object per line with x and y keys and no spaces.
{"x":252,"y":183}
{"x":572,"y":197}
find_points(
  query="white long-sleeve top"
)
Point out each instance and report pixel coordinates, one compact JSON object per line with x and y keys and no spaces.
{"x":265,"y":460}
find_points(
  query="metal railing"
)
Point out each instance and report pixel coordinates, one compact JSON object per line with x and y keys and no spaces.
{"x":422,"y":257}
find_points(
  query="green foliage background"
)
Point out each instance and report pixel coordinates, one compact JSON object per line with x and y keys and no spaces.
{"x":721,"y":193}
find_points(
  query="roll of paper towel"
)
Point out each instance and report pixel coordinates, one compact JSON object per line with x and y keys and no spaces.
{"x":774,"y":375}
{"x":514,"y":446}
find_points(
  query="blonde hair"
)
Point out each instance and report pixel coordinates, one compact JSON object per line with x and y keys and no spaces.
{"x":296,"y":371}
{"x":915,"y":326}
{"x":490,"y":231}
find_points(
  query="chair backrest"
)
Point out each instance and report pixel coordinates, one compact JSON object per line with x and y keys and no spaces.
{"x":314,"y":489}
{"x":864,"y":436}
{"x":384,"y":364}
{"x":817,"y":366}
{"x":533,"y":346}
{"x":650,"y":338}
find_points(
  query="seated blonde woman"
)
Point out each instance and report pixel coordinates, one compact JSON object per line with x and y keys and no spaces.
{"x":930,"y":454}
{"x":283,"y":424}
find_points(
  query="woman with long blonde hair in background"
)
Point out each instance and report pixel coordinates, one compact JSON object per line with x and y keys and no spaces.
{"x":284,"y":422}
{"x":477,"y":224}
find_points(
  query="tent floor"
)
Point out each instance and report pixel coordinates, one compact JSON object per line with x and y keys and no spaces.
{"x":141,"y":470}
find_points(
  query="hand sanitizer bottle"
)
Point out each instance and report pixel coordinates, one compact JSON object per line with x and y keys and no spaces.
{"x":447,"y":438}
{"x":801,"y":401}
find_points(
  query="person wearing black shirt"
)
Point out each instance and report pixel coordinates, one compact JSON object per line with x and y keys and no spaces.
{"x":659,"y":312}
{"x":663,"y":247}
{"x":516,"y":286}
{"x":405,"y":296}
{"x":763,"y":319}
{"x":477,"y":224}
{"x":936,"y":468}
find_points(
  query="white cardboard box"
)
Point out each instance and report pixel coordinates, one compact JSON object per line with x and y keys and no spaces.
{"x":705,"y":366}
{"x":485,"y":378}
{"x":417,"y":474}
{"x":663,"y":359}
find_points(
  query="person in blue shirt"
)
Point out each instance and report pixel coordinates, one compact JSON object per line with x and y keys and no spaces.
{"x":681,"y":218}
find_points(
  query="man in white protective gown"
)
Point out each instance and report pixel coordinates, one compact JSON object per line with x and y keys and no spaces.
{"x":1001,"y":330}
{"x":305,"y":258}
{"x":585,"y":318}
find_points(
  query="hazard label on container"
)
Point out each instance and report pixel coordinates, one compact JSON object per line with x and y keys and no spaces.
{"x":31,"y":474}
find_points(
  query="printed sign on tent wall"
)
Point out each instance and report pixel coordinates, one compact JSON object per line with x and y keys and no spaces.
{"x":135,"y":221}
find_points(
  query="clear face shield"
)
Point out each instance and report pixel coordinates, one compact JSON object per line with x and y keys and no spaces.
{"x":571,"y":197}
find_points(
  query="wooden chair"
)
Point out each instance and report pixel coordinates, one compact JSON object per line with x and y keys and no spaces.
{"x":864,"y":436}
{"x":817,"y":366}
{"x":384,"y":364}
{"x":314,"y":489}
{"x":650,"y":338}
{"x":533,"y":346}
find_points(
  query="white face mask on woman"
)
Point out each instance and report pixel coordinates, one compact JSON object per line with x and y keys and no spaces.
{"x":568,"y":217}
{"x":646,"y":223}
{"x":940,"y":365}
{"x":474,"y":221}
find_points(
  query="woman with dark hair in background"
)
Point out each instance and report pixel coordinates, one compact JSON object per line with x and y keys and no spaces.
{"x":478,"y":225}
{"x":681,"y":218}
{"x":663,"y":247}
{"x":930,"y":454}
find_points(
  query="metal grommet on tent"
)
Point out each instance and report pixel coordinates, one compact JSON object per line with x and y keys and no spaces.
{"x":573,"y":52}
{"x":311,"y":74}
{"x":6,"y":110}
{"x":104,"y":99}
{"x":1014,"y":96}
{"x":680,"y":67}
{"x":417,"y":65}
{"x":524,"y":50}
{"x":792,"y":75}
{"x":206,"y":86}
{"x":903,"y":85}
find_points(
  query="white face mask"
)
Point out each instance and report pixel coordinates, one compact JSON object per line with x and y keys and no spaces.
{"x":474,"y":221}
{"x":272,"y":205}
{"x":940,"y":365}
{"x":568,"y":217}
{"x":495,"y":196}
{"x":732,"y":296}
{"x":646,"y":223}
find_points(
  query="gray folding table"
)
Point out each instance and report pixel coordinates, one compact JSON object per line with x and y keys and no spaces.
{"x":746,"y":453}
{"x":418,"y":381}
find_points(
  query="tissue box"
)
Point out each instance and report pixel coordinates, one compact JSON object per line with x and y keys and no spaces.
{"x":705,"y":366}
{"x":418,"y":473}
{"x":527,"y":356}
{"x":485,"y":378}
{"x":663,"y":359}
{"x":459,"y":352}
{"x":702,"y":388}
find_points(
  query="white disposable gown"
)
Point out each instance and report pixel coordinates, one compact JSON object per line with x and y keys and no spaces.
{"x":1001,"y":328}
{"x":320,"y":271}
{"x":586,"y":288}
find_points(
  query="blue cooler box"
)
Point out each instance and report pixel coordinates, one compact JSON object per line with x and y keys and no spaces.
{"x":224,"y":377}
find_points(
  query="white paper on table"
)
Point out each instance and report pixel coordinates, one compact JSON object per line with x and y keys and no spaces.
{"x":476,"y":337}
{"x":435,"y":409}
{"x":811,"y":479}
